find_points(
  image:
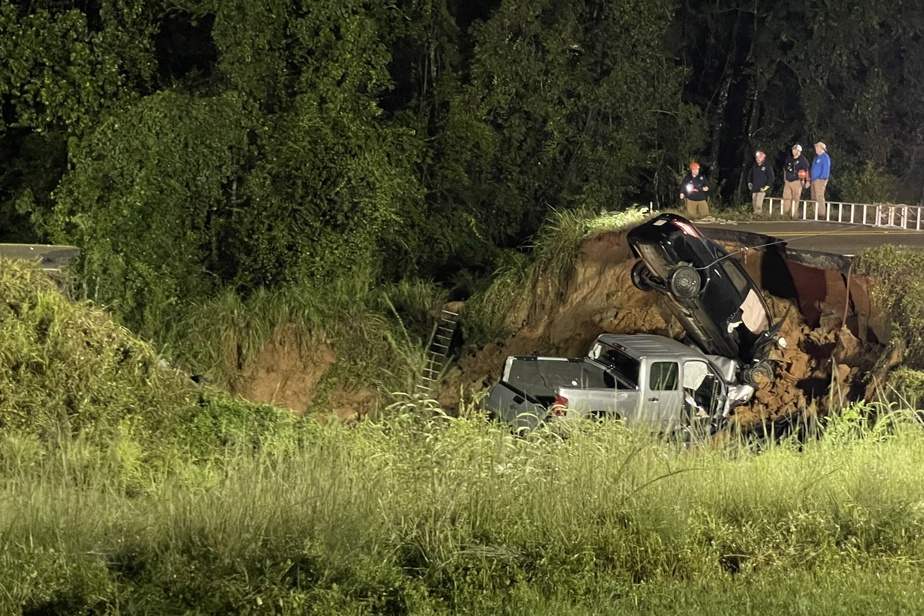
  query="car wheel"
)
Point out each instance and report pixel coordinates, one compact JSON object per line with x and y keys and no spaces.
{"x":640,"y":273}
{"x":759,"y":373}
{"x":685,"y":282}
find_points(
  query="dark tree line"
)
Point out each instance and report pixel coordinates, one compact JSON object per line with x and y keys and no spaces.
{"x":189,"y":146}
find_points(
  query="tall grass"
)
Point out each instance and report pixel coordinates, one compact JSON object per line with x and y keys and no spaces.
{"x":899,"y":293}
{"x":426,"y":514}
{"x":497,"y":311}
{"x":366,"y":327}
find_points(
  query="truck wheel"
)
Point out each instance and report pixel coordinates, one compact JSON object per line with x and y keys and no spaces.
{"x":640,"y":273}
{"x":685,"y":282}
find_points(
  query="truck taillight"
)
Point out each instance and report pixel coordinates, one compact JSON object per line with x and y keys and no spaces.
{"x":560,"y":406}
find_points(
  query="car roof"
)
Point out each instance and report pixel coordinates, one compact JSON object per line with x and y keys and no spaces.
{"x":640,"y":346}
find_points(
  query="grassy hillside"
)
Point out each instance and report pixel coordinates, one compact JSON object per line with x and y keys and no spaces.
{"x":128,"y":489}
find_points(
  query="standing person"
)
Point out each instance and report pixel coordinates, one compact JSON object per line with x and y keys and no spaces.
{"x":821,"y":170}
{"x":694,"y":188}
{"x":760,"y":180}
{"x":795,"y":179}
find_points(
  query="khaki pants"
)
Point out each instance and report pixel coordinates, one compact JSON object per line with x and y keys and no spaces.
{"x":818,"y":196}
{"x":697,"y":208}
{"x":792,"y":195}
{"x":757,"y":200}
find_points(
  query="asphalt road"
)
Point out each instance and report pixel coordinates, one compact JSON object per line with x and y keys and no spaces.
{"x":830,"y":237}
{"x":51,"y":257}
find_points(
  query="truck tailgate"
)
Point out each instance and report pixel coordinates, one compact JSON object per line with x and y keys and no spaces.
{"x":516,"y":407}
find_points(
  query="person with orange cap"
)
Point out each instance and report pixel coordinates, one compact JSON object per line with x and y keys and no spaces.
{"x":694,"y":190}
{"x":795,"y":180}
{"x":760,"y":180}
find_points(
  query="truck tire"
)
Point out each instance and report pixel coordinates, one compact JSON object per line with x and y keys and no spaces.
{"x":640,"y":273}
{"x":685,"y":282}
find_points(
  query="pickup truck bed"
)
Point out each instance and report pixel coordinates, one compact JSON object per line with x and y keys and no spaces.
{"x":642,"y":378}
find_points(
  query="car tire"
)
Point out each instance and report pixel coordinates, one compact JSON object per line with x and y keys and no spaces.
{"x":640,"y":273}
{"x":758,"y":373}
{"x":685,"y":282}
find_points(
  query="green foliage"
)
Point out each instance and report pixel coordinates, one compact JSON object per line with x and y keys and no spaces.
{"x":899,"y":292}
{"x":69,"y":373}
{"x":570,"y":119}
{"x":870,"y":185}
{"x":56,"y":71}
{"x":908,"y":386}
{"x":63,"y":69}
{"x":417,"y":304}
{"x":488,"y":314}
{"x":273,"y":177}
{"x":364,"y":328}
{"x":327,"y":166}
{"x":149,"y":203}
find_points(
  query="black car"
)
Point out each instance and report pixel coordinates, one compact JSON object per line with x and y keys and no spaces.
{"x":712,"y":296}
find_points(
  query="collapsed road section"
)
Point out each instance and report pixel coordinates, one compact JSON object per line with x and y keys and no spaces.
{"x":835,"y":340}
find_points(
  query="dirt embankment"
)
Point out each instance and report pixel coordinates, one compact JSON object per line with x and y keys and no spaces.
{"x":833,"y":336}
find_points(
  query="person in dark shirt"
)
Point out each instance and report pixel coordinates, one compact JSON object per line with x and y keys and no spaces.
{"x":694,"y":189}
{"x":795,"y":180}
{"x":760,"y":180}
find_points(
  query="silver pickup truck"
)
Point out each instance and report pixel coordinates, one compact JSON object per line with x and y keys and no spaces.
{"x":644,"y":379}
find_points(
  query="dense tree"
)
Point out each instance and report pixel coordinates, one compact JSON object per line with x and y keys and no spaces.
{"x":191,"y":145}
{"x":65,"y":63}
{"x":770,"y":74}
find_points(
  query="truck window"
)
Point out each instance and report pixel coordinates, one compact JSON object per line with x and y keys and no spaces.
{"x":663,"y":376}
{"x":624,"y":367}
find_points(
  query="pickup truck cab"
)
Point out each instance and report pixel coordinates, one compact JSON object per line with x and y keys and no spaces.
{"x":646,"y":380}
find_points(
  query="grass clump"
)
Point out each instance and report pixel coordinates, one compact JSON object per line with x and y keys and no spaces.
{"x":68,"y":371}
{"x":498,"y":310}
{"x":69,"y":368}
{"x":899,"y":292}
{"x":364,"y":327}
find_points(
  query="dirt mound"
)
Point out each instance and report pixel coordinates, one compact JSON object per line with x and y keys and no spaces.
{"x":832,"y":336}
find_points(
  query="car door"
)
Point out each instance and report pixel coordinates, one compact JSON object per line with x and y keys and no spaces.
{"x":701,"y":388}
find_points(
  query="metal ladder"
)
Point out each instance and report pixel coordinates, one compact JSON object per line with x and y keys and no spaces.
{"x":438,"y":351}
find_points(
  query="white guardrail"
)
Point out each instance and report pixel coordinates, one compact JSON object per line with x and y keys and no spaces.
{"x":873,"y":214}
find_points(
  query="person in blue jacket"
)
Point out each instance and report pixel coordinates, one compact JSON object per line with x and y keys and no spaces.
{"x":821,"y":171}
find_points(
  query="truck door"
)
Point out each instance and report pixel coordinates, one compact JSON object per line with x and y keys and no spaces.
{"x":663,"y":399}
